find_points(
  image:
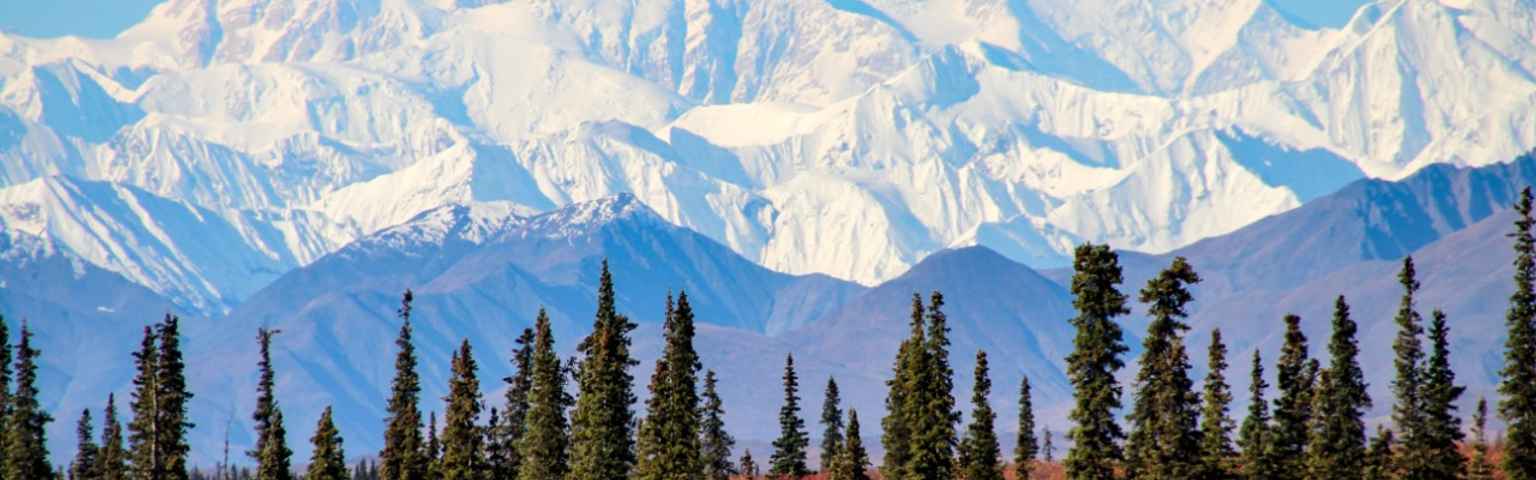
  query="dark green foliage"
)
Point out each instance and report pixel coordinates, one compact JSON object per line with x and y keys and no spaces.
{"x":748,"y":465}
{"x":1164,"y":442}
{"x":1094,"y":360}
{"x":157,"y":435}
{"x":896,"y":436}
{"x":544,"y":444}
{"x":832,"y":423}
{"x":1216,"y":453}
{"x":5,"y":389}
{"x":112,"y":459}
{"x":87,"y":453}
{"x":1442,"y":425}
{"x":1026,"y":449}
{"x":788,"y":460}
{"x":463,"y":447}
{"x":434,"y":449}
{"x":603,"y":444}
{"x":931,"y":403}
{"x":1407,"y":414}
{"x":1378,"y":457}
{"x":26,"y":449}
{"x":1253,"y":438}
{"x":715,"y":442}
{"x":328,"y":460}
{"x":401,"y":458}
{"x":1517,"y":390}
{"x":1479,"y":467}
{"x":1294,"y":376}
{"x":1337,"y":446}
{"x":501,"y":446}
{"x":272,"y":455}
{"x":670,"y":448}
{"x":852,"y":461}
{"x":979,"y":451}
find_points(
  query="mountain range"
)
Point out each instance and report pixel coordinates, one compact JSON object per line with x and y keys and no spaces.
{"x":801,"y":168}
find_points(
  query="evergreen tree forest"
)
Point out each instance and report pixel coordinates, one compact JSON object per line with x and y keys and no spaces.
{"x":580,"y":419}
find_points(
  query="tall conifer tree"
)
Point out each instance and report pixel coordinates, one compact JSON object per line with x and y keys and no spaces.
{"x":271,"y":452}
{"x":852,"y":461}
{"x":1337,"y":446}
{"x":1479,"y":466}
{"x":1442,"y":425}
{"x":1407,"y":413}
{"x":832,"y":423}
{"x":463,"y":447}
{"x":1294,"y":374}
{"x":788,"y":460}
{"x":1378,"y":456}
{"x":671,"y":428}
{"x":5,"y":388}
{"x":979,"y":451}
{"x":26,"y":449}
{"x":87,"y":462}
{"x":1253,"y":438}
{"x":328,"y":460}
{"x":715,"y":442}
{"x":1165,"y":441}
{"x":112,"y":460}
{"x":1216,"y":425}
{"x":173,"y":397}
{"x":402,"y":457}
{"x":1517,"y":388}
{"x":1025,"y":449}
{"x":1094,"y":360}
{"x":142,"y":438}
{"x":502,"y":445}
{"x":434,"y":449}
{"x":544,"y":445}
{"x":896,"y":435}
{"x":603,"y":443}
{"x":931,"y":402}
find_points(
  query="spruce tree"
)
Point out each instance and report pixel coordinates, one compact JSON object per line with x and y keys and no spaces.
{"x":1379,"y":457}
{"x":1165,"y":441}
{"x":980,"y":452}
{"x":1253,"y":437}
{"x":670,"y":434}
{"x":26,"y":449}
{"x":715,"y":442}
{"x":1025,"y":449}
{"x":1047,"y":449}
{"x":931,"y":403}
{"x":87,"y":453}
{"x":497,"y":454}
{"x":1093,"y":362}
{"x":1407,"y":414}
{"x":172,"y":398}
{"x":1216,"y":425}
{"x":112,"y":460}
{"x":788,"y":460}
{"x":748,"y":465}
{"x":1337,"y":446}
{"x":1517,"y":387}
{"x":1478,"y":467}
{"x":852,"y":461}
{"x":504,"y":460}
{"x":142,"y":435}
{"x":5,"y":389}
{"x":328,"y":460}
{"x":434,"y":449}
{"x":1442,"y":425}
{"x":602,"y":440}
{"x":832,"y":423}
{"x":402,"y":458}
{"x":271,"y":451}
{"x":1294,"y":375}
{"x":463,"y":450}
{"x":895,"y":435}
{"x":544,"y":445}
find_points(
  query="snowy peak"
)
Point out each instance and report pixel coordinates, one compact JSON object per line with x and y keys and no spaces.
{"x":585,"y":217}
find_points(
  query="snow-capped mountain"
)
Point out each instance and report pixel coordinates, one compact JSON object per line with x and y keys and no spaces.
{"x":890,"y":128}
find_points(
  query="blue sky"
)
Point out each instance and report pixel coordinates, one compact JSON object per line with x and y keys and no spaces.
{"x":53,"y":18}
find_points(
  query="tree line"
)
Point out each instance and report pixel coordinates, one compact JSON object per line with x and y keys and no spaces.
{"x":1312,"y":429}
